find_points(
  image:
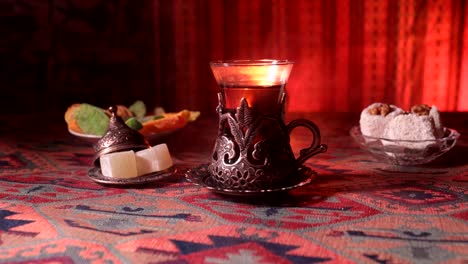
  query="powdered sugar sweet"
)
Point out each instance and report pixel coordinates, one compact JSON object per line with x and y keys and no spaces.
{"x":373,"y":120}
{"x":415,"y":129}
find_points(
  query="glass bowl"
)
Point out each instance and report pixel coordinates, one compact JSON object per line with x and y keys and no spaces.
{"x":406,"y":152}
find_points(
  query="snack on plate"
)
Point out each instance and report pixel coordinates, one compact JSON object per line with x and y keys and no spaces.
{"x":166,"y":122}
{"x":92,"y":120}
{"x":410,"y":127}
{"x":130,"y":164}
{"x":422,"y":123}
{"x":88,"y":119}
{"x":433,"y":114}
{"x":390,"y":122}
{"x":71,"y":120}
{"x":138,"y":108}
{"x":122,"y":111}
{"x":375,"y":117}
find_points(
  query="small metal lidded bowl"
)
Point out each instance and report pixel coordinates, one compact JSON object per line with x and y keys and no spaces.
{"x":119,"y":137}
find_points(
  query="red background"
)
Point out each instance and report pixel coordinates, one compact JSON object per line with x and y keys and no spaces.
{"x":348,"y":53}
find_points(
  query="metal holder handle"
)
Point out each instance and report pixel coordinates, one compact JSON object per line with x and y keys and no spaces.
{"x":315,"y":147}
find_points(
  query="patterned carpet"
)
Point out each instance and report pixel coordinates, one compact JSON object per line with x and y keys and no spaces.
{"x":356,"y":211}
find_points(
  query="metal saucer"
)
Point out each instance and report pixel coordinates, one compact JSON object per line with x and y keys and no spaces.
{"x":95,"y":174}
{"x":201,"y":177}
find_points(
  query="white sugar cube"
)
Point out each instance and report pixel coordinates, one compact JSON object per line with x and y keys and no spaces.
{"x":153,"y":159}
{"x":119,"y":164}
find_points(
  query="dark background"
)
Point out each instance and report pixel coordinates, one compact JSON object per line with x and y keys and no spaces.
{"x":54,"y":53}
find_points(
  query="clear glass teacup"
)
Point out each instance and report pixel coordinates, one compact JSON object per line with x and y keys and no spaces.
{"x":252,"y":149}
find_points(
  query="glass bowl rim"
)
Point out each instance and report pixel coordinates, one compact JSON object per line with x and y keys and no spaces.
{"x":452,"y":135}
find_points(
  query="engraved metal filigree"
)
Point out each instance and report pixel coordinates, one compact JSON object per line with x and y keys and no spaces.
{"x":252,"y":151}
{"x":244,"y":158}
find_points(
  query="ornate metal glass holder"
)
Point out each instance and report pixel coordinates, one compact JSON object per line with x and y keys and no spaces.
{"x":253,"y":152}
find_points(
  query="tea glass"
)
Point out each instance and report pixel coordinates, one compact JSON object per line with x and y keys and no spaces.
{"x":252,"y":150}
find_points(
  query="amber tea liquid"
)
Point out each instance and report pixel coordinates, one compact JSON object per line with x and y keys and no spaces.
{"x":262,"y":99}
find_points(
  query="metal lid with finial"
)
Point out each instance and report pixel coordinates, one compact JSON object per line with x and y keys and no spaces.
{"x":119,"y":137}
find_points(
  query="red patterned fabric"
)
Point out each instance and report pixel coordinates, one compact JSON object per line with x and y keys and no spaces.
{"x":357,"y":210}
{"x":348,"y":54}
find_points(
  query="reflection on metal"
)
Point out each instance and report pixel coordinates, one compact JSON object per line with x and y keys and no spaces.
{"x":119,"y":137}
{"x":253,"y":152}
